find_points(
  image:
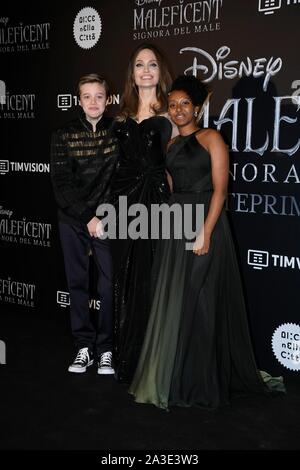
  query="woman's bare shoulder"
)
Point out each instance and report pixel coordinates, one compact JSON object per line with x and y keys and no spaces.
{"x":208,"y":137}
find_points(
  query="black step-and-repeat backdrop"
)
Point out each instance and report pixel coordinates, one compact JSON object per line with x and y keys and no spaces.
{"x":247,"y":53}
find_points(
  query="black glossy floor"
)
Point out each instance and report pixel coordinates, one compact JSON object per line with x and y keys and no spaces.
{"x":43,"y":407}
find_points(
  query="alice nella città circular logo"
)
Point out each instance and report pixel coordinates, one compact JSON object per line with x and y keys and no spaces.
{"x":87,"y":27}
{"x":286,"y":345}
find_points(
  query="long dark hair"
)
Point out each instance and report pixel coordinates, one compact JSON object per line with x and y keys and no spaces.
{"x":130,"y":100}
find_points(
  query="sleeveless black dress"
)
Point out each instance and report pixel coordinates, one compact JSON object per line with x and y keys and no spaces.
{"x":197,"y":348}
{"x":141,"y":177}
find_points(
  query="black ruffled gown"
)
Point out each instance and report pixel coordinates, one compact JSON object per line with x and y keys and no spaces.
{"x":141,"y":177}
{"x":197,"y":348}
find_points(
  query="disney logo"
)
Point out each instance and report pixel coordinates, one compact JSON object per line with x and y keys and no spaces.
{"x":141,"y":3}
{"x":5,"y":212}
{"x":4,"y":20}
{"x":232,"y":68}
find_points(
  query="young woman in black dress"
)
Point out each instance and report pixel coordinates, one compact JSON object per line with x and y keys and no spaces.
{"x":197,"y":348}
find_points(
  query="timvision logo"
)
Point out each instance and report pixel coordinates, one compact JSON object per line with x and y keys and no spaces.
{"x":66,"y":101}
{"x":268,"y":7}
{"x":25,"y":167}
{"x":263,"y":259}
{"x":63,"y":300}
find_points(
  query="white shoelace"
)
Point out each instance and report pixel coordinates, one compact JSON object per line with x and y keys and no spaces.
{"x":82,"y":354}
{"x":105,"y":359}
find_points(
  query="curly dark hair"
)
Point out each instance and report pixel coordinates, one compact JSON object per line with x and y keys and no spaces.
{"x":192,"y":86}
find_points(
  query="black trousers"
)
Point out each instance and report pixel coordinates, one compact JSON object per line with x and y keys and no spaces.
{"x":76,"y":244}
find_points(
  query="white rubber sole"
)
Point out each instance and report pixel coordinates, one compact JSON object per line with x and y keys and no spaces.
{"x":105,"y":371}
{"x":80,"y":370}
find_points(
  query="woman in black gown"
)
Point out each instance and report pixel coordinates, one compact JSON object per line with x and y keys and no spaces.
{"x":197,"y":348}
{"x":143,"y":130}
